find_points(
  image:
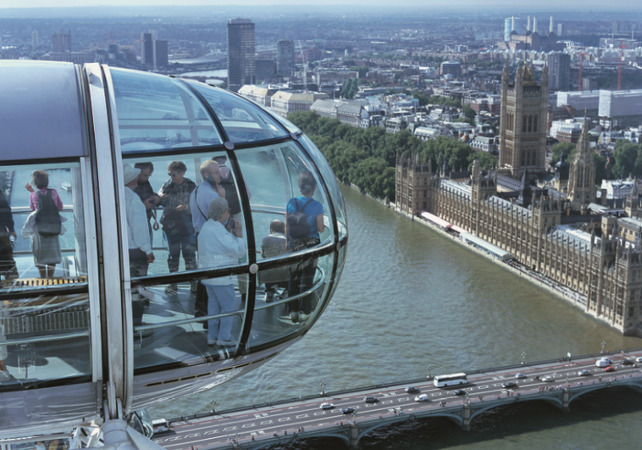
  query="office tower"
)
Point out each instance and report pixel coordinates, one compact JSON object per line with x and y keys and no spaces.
{"x":560,"y":29}
{"x":241,"y":68}
{"x":522,"y":128}
{"x":161,"y":57}
{"x":508,"y":27}
{"x":62,"y":42}
{"x":147,"y":49}
{"x":528,"y":23}
{"x":285,"y":58}
{"x":534,"y":29}
{"x":551,"y":29}
{"x":35,"y":39}
{"x":559,"y":71}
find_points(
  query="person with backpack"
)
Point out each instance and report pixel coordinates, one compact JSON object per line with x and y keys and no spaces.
{"x":48,"y":224}
{"x":304,"y":222}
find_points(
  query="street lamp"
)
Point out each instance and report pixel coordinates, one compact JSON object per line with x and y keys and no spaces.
{"x":523,"y":358}
{"x":603,"y":344}
{"x":429,"y":375}
{"x":322,"y":389}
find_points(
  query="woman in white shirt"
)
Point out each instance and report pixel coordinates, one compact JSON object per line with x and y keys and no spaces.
{"x":219,"y":247}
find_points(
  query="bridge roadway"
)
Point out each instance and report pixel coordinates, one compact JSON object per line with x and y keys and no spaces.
{"x":265,"y":425}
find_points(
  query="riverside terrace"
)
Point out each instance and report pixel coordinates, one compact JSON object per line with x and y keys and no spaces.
{"x":558,"y":382}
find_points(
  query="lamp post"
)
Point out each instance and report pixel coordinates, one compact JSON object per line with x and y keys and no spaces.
{"x":322,"y":389}
{"x":429,"y":374}
{"x":603,"y":344}
{"x":523,"y":358}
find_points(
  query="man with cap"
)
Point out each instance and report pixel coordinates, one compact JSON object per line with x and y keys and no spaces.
{"x":140,"y":246}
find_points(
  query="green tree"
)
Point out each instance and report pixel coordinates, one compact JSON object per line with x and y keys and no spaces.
{"x":627,"y":160}
{"x":562,"y":148}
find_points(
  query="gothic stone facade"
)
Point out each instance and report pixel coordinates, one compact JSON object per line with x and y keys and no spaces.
{"x":604,"y":271}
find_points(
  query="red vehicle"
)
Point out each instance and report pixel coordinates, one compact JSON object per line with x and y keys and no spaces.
{"x":609,"y":369}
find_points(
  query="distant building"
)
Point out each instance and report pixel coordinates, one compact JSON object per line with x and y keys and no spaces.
{"x":147,"y":49}
{"x":265,"y":69}
{"x":285,"y":58}
{"x":596,"y":260}
{"x":559,"y":71}
{"x":285,"y":102}
{"x":62,"y":42}
{"x":258,"y":94}
{"x":522,"y":130}
{"x":620,"y":108}
{"x":450,"y":68}
{"x":161,"y":55}
{"x":241,"y":68}
{"x":349,"y":112}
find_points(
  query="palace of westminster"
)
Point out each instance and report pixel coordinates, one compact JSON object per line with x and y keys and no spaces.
{"x":567,"y":235}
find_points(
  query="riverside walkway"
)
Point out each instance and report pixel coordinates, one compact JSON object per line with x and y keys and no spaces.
{"x":558,"y":382}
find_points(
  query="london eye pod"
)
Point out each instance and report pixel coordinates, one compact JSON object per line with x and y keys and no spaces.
{"x":91,"y":325}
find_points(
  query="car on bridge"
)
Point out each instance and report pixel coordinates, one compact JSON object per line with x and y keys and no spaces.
{"x":422,"y":398}
{"x":609,"y":369}
{"x":347,"y":410}
{"x":509,"y":385}
{"x":628,"y":362}
{"x":370,"y":399}
{"x":459,"y":392}
{"x":326,"y":405}
{"x":583,"y":373}
{"x":547,"y":378}
{"x":520,"y":375}
{"x":603,"y":362}
{"x":412,"y":390}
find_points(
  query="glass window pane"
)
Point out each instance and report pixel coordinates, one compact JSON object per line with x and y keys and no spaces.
{"x":172,"y":332}
{"x":242,"y":120}
{"x":42,"y":248}
{"x":272,"y":175}
{"x":156,"y":112}
{"x":288,"y":298}
{"x":56,"y":252}
{"x":331,"y":183}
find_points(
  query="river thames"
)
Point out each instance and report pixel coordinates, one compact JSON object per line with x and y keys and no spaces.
{"x":411,"y":301}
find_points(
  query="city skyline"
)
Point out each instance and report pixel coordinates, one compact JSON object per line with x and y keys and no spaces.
{"x":500,"y":4}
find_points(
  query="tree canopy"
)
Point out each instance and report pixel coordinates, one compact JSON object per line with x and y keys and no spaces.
{"x":367,"y":157}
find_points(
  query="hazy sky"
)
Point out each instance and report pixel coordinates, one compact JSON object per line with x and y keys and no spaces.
{"x":440,"y":4}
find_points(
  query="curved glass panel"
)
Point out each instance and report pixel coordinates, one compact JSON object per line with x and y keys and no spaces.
{"x":184,"y":232}
{"x":156,"y":112}
{"x":40,"y":111}
{"x":330,"y":181}
{"x":272,"y":176}
{"x":241,"y":119}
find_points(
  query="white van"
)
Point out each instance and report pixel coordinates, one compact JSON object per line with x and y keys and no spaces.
{"x":603,"y":362}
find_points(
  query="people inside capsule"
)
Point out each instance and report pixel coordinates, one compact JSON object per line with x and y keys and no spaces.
{"x":274,"y":244}
{"x":8,"y":269}
{"x":218,"y":246}
{"x":146,"y":193}
{"x":304,"y":219}
{"x":228,"y":184}
{"x":44,"y":224}
{"x":138,"y":238}
{"x":177,"y":220}
{"x":199,"y":203}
